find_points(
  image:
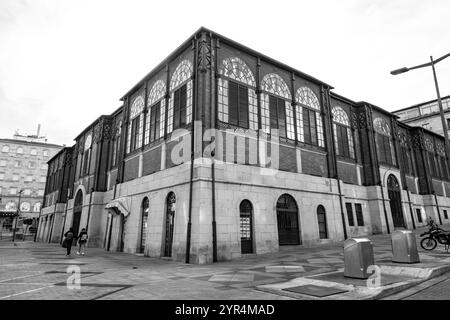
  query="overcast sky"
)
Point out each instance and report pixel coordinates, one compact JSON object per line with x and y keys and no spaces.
{"x":64,"y":63}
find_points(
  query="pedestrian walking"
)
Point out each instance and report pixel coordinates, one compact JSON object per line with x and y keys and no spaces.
{"x":82,"y":239}
{"x":68,"y":240}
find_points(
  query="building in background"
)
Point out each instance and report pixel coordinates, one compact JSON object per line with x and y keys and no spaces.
{"x":23,"y":169}
{"x":426,"y":115}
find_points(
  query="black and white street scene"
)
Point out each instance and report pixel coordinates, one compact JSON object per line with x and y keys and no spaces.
{"x":224,"y":150}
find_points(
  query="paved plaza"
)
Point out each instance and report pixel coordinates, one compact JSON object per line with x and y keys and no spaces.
{"x":31,"y":270}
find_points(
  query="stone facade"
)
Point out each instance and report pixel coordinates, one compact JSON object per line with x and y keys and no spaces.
{"x":191,"y":168}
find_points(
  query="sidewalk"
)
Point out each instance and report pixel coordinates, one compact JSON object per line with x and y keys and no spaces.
{"x":31,"y":270}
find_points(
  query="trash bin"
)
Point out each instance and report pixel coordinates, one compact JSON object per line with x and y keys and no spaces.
{"x":358,"y":256}
{"x":404,"y":247}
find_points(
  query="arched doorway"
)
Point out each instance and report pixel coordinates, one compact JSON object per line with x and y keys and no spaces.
{"x":77,"y":209}
{"x":322,"y":221}
{"x":246,"y":212}
{"x":395,"y":201}
{"x":170,"y":218}
{"x":144,"y":219}
{"x":287,"y":220}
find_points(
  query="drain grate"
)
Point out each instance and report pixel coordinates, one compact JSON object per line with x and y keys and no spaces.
{"x":316,"y":291}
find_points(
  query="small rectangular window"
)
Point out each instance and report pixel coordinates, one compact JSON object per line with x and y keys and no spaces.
{"x":445,"y":214}
{"x":351,"y":220}
{"x":359,"y":215}
{"x":419,"y":215}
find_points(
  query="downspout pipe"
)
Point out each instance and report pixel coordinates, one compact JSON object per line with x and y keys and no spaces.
{"x":191,"y":178}
{"x":336,"y":175}
{"x":410,"y":208}
{"x":384,"y":207}
{"x":213,"y":124}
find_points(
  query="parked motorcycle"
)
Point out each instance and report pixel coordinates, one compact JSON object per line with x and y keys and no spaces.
{"x":433,"y":236}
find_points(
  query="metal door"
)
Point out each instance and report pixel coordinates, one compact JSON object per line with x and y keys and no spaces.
{"x":395,"y":202}
{"x":287,"y":220}
{"x":246,"y":211}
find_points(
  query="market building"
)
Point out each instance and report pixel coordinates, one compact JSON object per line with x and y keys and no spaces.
{"x":23,"y":171}
{"x":222,"y":151}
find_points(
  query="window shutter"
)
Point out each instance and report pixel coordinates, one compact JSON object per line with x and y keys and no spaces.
{"x":351,"y":220}
{"x":387,"y":147}
{"x":176,"y":109}
{"x":306,"y":126}
{"x":233,"y":101}
{"x":183,"y":100}
{"x":281,"y":117}
{"x":157,"y":120}
{"x":243,"y":107}
{"x":273,"y":112}
{"x":345,"y":145}
{"x":152,"y":121}
{"x":313,"y":127}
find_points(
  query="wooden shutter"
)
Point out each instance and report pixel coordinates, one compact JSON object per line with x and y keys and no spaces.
{"x":233,"y":103}
{"x":152,"y":122}
{"x":157,"y":120}
{"x":345,"y":145}
{"x":273,"y":112}
{"x":313,"y":127}
{"x":306,"y":126}
{"x":176,"y":109}
{"x":183,"y":100}
{"x":281,"y":105}
{"x":243,"y":107}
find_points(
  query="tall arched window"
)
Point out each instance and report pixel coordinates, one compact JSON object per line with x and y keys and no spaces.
{"x":145,"y":210}
{"x":116,"y":142}
{"x":156,"y":112}
{"x":276,"y":107}
{"x":343,"y":137}
{"x":245,"y":217}
{"x":135,"y":124}
{"x":322,"y":221}
{"x":179,"y":112}
{"x":429,"y":146}
{"x":383,"y":141}
{"x":237,"y":101}
{"x":309,"y":119}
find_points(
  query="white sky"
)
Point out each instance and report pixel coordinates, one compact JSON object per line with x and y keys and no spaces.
{"x":63,"y":63}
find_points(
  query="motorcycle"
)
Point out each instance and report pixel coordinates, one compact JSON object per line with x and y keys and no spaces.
{"x":435,"y":235}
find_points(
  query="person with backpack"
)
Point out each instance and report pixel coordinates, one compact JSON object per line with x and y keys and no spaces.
{"x":68,"y":240}
{"x":82,"y":239}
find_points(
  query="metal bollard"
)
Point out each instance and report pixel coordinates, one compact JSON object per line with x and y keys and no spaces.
{"x":404,"y":247}
{"x":358,"y":256}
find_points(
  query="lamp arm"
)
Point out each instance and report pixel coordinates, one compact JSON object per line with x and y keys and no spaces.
{"x":442,"y":58}
{"x":421,"y":66}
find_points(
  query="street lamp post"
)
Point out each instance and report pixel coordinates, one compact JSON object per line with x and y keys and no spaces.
{"x":17,"y":216}
{"x":441,"y":109}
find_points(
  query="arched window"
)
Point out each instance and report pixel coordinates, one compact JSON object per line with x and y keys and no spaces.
{"x":180,"y":102}
{"x":383,"y":140}
{"x":171,"y":203}
{"x":156,"y":113}
{"x":343,"y":137}
{"x":135,"y":125}
{"x":6,"y":149}
{"x":309,"y":119}
{"x":322,"y":221}
{"x":116,"y":142}
{"x":430,"y":154}
{"x":245,"y":217}
{"x":144,"y":220}
{"x":276,"y":107}
{"x":237,"y":101}
{"x":287,"y":221}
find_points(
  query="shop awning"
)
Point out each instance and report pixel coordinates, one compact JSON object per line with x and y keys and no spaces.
{"x":120,"y":205}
